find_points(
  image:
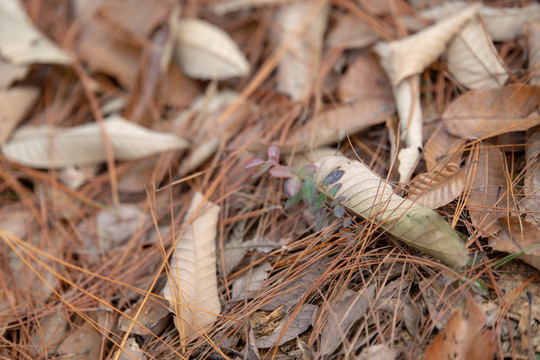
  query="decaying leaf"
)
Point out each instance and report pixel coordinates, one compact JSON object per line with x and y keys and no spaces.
{"x":21,"y":42}
{"x":533,"y":30}
{"x":226,"y":6}
{"x":15,"y":103}
{"x":411,"y":55}
{"x":204,"y":51}
{"x":487,"y":200}
{"x":192,"y":286}
{"x":442,"y":148}
{"x":377,"y":352}
{"x":51,"y":330}
{"x":301,"y":25}
{"x":504,"y":24}
{"x":153,"y":318}
{"x":516,"y":235}
{"x":371,"y":197}
{"x":51,"y":147}
{"x":131,"y":351}
{"x":333,"y":125}
{"x":249,"y":283}
{"x":466,"y":337}
{"x":489,"y":112}
{"x":473,"y":59}
{"x":531,"y":188}
{"x":350,"y":33}
{"x":438,"y":187}
{"x":84,"y":343}
{"x":296,"y":324}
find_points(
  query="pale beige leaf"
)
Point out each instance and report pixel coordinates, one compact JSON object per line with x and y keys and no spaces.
{"x":296,"y":324}
{"x":51,"y":330}
{"x":504,"y":24}
{"x":131,"y":351}
{"x":407,"y":96}
{"x":10,"y":73}
{"x":21,"y":42}
{"x":15,"y":104}
{"x":411,"y":55}
{"x":466,"y":337}
{"x":432,"y":14}
{"x":204,"y":51}
{"x":518,"y":234}
{"x":371,"y":197}
{"x":533,"y":30}
{"x":473,"y":59}
{"x":192,"y":285}
{"x":377,"y":352}
{"x":437,"y":188}
{"x":487,"y":200}
{"x":51,"y":147}
{"x":350,"y":32}
{"x":484,"y":113}
{"x":301,"y":26}
{"x":333,"y":125}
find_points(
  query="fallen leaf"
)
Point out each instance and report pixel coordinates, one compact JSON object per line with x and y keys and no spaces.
{"x":227,"y":6}
{"x":441,"y":149}
{"x":485,"y":113}
{"x":504,"y":24}
{"x":411,"y":55}
{"x":15,"y":104}
{"x":21,"y":43}
{"x":131,"y":351}
{"x":487,"y":199}
{"x":9,"y":73}
{"x":51,"y":147}
{"x":248,"y":284}
{"x":152,"y":319}
{"x":84,"y":343}
{"x":533,"y":30}
{"x":515,"y":235}
{"x":350,"y":32}
{"x":49,"y":332}
{"x":192,"y":281}
{"x":301,"y":26}
{"x":438,"y":187}
{"x":364,"y":78}
{"x":371,"y":197}
{"x":377,"y":352}
{"x":295,"y":325}
{"x":473,"y":60}
{"x":531,"y":186}
{"x":211,"y":54}
{"x":432,"y":14}
{"x":465,"y":337}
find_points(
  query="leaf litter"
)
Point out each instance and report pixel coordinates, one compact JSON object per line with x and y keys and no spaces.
{"x":120,"y":115}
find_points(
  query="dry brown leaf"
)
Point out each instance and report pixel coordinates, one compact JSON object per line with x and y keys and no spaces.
{"x":192,"y":282}
{"x":104,"y":53}
{"x":15,"y":104}
{"x":204,"y":51}
{"x":487,"y":199}
{"x":226,"y":6}
{"x":250,"y":282}
{"x":84,"y":343}
{"x":371,"y":197}
{"x":411,"y":55}
{"x":533,"y":30}
{"x":473,"y":59}
{"x":51,"y":147}
{"x":153,"y":317}
{"x":504,"y":24}
{"x":377,"y":352}
{"x":351,"y":33}
{"x":48,"y":334}
{"x":531,"y":188}
{"x":301,"y":26}
{"x":333,"y":125}
{"x":518,"y":234}
{"x":441,"y":148}
{"x":21,"y":43}
{"x":439,"y":187}
{"x":364,"y":78}
{"x":131,"y":351}
{"x":485,"y":113}
{"x":466,"y":337}
{"x":296,"y":325}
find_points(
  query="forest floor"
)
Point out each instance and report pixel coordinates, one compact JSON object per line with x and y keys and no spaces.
{"x":247,"y":179}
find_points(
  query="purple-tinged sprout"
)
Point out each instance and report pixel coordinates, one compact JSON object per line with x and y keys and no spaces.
{"x":293,"y":186}
{"x":308,"y":169}
{"x":261,"y":170}
{"x":281,"y":172}
{"x":254,"y":163}
{"x":273,"y":154}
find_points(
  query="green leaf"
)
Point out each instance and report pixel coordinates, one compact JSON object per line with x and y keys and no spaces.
{"x":334,"y":189}
{"x":293,"y":200}
{"x":308,"y":191}
{"x":319,"y":202}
